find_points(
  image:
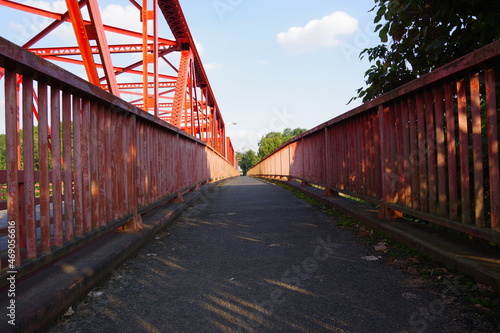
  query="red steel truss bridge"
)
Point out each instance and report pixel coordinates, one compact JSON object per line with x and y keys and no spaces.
{"x":94,"y":165}
{"x":168,"y":81}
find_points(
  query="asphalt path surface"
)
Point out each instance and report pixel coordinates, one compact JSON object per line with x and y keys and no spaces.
{"x":251,"y":257}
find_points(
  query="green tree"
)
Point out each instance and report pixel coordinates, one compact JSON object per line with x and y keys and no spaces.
{"x":3,"y":149}
{"x":420,"y":35}
{"x":272,"y":140}
{"x":247,"y":160}
{"x":289,"y":133}
{"x":3,"y":153}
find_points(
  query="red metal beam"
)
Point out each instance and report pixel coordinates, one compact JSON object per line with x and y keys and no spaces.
{"x":102,"y":45}
{"x":82,"y":38}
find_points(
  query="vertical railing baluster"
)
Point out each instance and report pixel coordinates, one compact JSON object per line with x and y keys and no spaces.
{"x":422,"y":154}
{"x":85,"y":161}
{"x":78,"y":167}
{"x":463,"y":135}
{"x":451,"y":143}
{"x":68,"y":167}
{"x":405,"y":141}
{"x":399,"y":156}
{"x":414,"y":153}
{"x":12,"y":157}
{"x":55,"y":117}
{"x":28,"y":168}
{"x":43,"y":161}
{"x":477,"y":150}
{"x":101,"y":164}
{"x":431,"y":149}
{"x":108,"y":165}
{"x":440,"y":151}
{"x":94,"y":167}
{"x":384,"y":165}
{"x":493,"y":146}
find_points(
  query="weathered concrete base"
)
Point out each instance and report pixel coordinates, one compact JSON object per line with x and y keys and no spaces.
{"x":468,"y":257}
{"x":47,"y":293}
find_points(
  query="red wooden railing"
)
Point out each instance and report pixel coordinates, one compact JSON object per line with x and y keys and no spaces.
{"x":428,"y":149}
{"x":101,"y":161}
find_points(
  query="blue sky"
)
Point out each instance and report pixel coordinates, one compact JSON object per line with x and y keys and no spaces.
{"x":272,"y":64}
{"x":264,"y":85}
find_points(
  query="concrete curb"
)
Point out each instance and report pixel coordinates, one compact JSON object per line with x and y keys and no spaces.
{"x":467,"y":257}
{"x":65,"y":281}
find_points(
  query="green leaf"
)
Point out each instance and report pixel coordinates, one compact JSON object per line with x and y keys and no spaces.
{"x":383,"y":34}
{"x":380,"y":13}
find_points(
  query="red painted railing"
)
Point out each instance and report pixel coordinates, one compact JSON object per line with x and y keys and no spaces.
{"x":428,"y":149}
{"x":99,"y":162}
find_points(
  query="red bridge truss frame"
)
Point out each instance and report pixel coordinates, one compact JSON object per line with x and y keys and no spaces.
{"x":184,"y":97}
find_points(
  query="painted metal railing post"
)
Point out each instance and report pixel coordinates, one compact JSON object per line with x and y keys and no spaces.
{"x":55,"y":116}
{"x":43,"y":160}
{"x":78,"y":166}
{"x":85,"y":166}
{"x":67,"y":167}
{"x":463,"y":129}
{"x":493,"y":147}
{"x":328,"y":167}
{"x":12,"y":143}
{"x":132,"y":172}
{"x":28,"y":167}
{"x":477,"y":150}
{"x":382,"y":211}
{"x":451,"y":152}
{"x":386,"y":168}
{"x":94,"y":167}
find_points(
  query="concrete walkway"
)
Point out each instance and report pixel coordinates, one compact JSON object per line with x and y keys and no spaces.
{"x":251,"y":257}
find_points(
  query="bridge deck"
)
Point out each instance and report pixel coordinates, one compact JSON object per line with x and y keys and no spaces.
{"x":253,"y":257}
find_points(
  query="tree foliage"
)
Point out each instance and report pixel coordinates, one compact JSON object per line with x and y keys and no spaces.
{"x":3,"y":154}
{"x":3,"y":149}
{"x":247,"y":160}
{"x":420,"y":35}
{"x":272,"y":140}
{"x":267,"y":144}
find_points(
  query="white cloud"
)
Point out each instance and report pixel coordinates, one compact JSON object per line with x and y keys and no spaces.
{"x":53,"y":6}
{"x":244,"y":139}
{"x":24,"y":26}
{"x":318,"y":33}
{"x":199,"y":47}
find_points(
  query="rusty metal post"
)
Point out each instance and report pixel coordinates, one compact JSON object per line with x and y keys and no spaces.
{"x":67,"y":167}
{"x":12,"y":157}
{"x":55,"y":121}
{"x":493,"y":146}
{"x":477,"y":151}
{"x":386,"y":168}
{"x":132,"y":179}
{"x":463,"y":131}
{"x":43,"y":160}
{"x":28,"y":167}
{"x":77,"y":152}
